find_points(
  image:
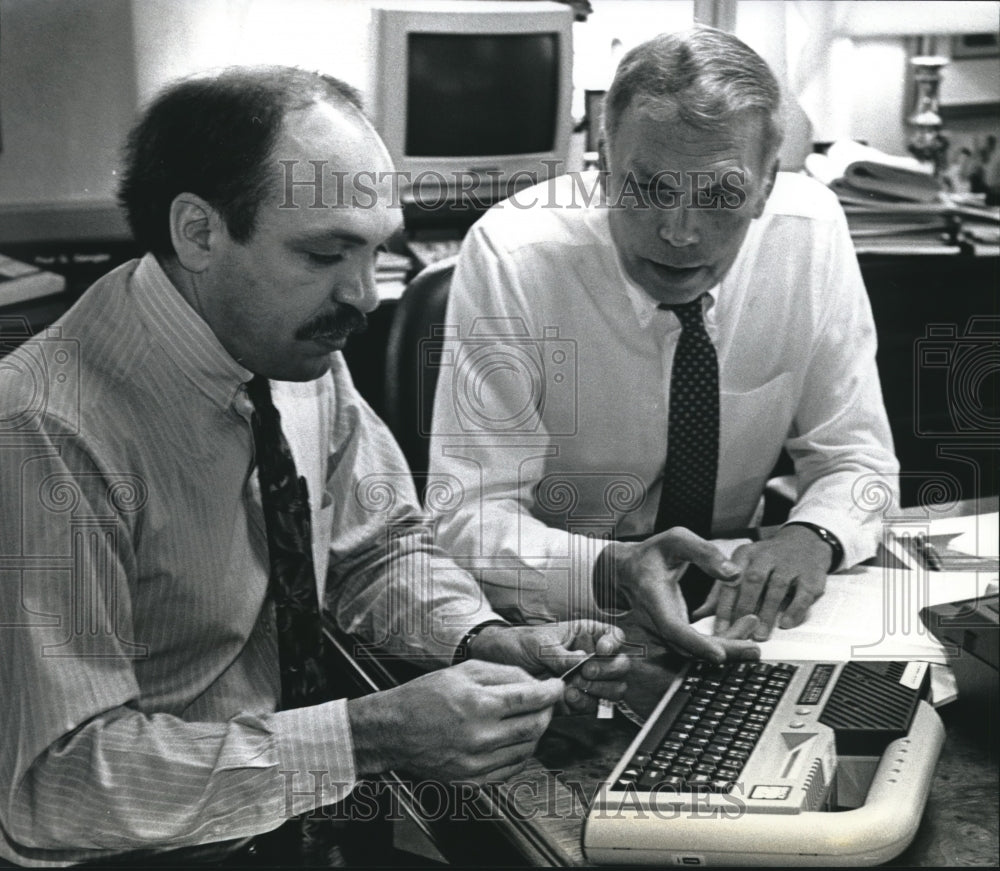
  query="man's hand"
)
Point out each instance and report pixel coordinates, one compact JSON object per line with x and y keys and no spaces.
{"x":653,"y":672}
{"x":782,"y":576}
{"x":476,"y":721}
{"x":648,"y":573}
{"x":551,"y":649}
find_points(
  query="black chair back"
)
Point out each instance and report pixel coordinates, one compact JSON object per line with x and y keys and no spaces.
{"x":415,"y":337}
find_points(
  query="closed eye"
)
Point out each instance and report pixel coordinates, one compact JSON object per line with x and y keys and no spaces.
{"x":324,"y":259}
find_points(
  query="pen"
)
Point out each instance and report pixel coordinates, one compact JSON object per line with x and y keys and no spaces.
{"x":929,"y":553}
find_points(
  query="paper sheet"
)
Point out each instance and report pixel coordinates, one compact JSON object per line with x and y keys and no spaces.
{"x":872,"y":613}
{"x":976,"y":534}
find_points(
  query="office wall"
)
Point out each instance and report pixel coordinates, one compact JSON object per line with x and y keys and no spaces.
{"x":67,"y":89}
{"x":847,"y":62}
{"x":74,"y":72}
{"x":178,"y":37}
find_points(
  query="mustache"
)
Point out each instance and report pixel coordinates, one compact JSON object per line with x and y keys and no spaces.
{"x":345,"y":321}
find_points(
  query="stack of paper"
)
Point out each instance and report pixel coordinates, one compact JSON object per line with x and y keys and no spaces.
{"x":859,"y":171}
{"x":896,"y":203}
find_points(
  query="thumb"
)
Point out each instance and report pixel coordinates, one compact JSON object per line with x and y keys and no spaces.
{"x":680,"y":545}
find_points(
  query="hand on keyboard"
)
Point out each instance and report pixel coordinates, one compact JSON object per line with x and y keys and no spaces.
{"x":648,"y":577}
{"x":653,"y":666}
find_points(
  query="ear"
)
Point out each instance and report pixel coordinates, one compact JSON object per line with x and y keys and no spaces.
{"x":765,"y":190}
{"x":194,"y":228}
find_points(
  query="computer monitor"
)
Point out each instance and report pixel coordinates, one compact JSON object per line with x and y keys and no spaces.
{"x":472,"y":98}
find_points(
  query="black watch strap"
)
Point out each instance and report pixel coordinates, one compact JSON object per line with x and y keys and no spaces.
{"x":462,"y":651}
{"x":837,"y":557}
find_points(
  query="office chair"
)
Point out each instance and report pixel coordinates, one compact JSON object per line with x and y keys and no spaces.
{"x":411,"y":372}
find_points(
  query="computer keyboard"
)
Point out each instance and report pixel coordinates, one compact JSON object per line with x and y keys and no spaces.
{"x":705,"y":735}
{"x":428,"y":251}
{"x":783,"y":763}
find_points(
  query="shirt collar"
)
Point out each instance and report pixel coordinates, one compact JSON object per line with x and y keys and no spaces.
{"x":646,"y":308}
{"x":184,"y":336}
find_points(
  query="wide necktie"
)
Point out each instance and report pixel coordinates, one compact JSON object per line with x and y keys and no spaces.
{"x":292,"y":582}
{"x":688,"y":495}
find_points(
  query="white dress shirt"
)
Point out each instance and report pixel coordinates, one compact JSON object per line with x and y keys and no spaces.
{"x":550,"y":417}
{"x":138,"y":652}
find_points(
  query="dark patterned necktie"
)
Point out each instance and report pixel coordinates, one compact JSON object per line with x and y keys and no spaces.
{"x":688,"y":494}
{"x":292,"y":583}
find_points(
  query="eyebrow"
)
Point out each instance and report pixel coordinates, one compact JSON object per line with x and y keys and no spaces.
{"x":640,"y":171}
{"x":322,"y":236}
{"x":326,"y":236}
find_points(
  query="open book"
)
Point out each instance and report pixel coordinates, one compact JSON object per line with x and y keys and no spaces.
{"x":863,"y":173}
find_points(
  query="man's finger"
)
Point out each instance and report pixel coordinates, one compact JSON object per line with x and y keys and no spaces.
{"x":680,"y":545}
{"x":798,"y":610}
{"x":743,"y":628}
{"x":576,"y":666}
{"x":535,"y":695}
{"x":728,"y":594}
{"x":740,"y":649}
{"x":488,"y":673}
{"x":751,"y":590}
{"x":774,"y":596}
{"x":605,"y":689}
{"x":606,"y":668}
{"x":683,"y":636}
{"x":611,"y":641}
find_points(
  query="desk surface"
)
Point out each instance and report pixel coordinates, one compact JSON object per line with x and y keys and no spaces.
{"x":538,"y":815}
{"x":959,"y":826}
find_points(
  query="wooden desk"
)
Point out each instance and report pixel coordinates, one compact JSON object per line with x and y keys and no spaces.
{"x":536,"y":818}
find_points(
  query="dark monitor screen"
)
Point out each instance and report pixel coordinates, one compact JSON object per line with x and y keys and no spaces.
{"x":476,"y":95}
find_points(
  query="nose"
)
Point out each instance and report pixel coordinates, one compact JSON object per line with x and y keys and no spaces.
{"x":678,"y":228}
{"x":359,"y":290}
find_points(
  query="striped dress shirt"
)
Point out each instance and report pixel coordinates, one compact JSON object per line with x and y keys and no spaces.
{"x":138,"y":655}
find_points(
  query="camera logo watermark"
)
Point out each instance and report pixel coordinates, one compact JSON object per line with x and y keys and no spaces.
{"x":957,"y":381}
{"x":41,"y":379}
{"x":502,"y":380}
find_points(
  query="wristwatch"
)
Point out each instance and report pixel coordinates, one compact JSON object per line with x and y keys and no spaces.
{"x":462,"y":651}
{"x":837,"y":557}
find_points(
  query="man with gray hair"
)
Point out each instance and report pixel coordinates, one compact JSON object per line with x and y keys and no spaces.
{"x":631,"y":351}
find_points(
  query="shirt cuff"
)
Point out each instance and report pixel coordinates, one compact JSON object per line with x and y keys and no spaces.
{"x":569,"y":594}
{"x":315,"y":755}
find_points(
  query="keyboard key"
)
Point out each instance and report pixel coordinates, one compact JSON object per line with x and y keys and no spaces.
{"x":649,"y":779}
{"x":708,"y":730}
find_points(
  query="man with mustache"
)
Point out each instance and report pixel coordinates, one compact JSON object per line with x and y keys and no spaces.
{"x":562,"y":432}
{"x":195,"y":476}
